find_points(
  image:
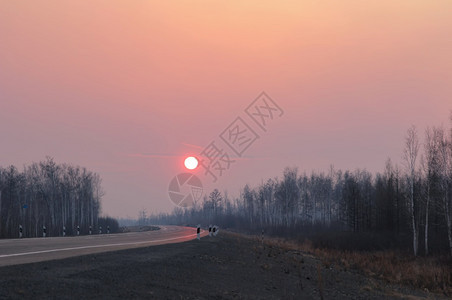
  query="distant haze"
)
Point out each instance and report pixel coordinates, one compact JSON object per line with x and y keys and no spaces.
{"x":128,"y":89}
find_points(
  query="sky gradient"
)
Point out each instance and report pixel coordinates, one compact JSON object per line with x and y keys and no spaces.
{"x":128,"y":89}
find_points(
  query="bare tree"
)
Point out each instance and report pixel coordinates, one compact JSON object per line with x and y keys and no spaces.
{"x":445,"y":170}
{"x":430,"y":169}
{"x":410,"y":156}
{"x":142,"y":216}
{"x":216,"y":199}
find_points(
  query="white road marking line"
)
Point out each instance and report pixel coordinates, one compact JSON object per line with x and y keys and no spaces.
{"x":94,"y":246}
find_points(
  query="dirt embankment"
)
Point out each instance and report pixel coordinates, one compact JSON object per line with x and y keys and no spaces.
{"x":228,"y":266}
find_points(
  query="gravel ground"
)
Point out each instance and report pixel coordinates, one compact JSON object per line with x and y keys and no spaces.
{"x":224,"y":267}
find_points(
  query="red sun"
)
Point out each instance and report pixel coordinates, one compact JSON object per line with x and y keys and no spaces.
{"x":191,"y":163}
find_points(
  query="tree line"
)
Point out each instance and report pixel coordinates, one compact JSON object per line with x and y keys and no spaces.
{"x":50,"y":195}
{"x":409,"y":203}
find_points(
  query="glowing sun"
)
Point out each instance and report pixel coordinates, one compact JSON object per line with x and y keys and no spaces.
{"x":191,"y":163}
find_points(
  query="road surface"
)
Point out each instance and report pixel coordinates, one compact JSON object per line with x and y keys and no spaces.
{"x":28,"y":250}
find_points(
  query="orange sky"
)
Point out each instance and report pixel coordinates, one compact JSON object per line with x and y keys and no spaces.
{"x":125,"y":87}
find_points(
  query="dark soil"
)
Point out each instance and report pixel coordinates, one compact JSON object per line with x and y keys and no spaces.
{"x":228,"y":266}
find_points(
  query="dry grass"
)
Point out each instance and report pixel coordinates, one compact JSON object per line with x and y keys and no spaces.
{"x":432,"y":274}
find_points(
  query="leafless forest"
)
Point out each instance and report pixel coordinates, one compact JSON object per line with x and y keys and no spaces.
{"x":53,"y":196}
{"x":405,"y":207}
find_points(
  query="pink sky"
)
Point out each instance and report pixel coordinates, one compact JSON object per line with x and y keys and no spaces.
{"x":125,"y":87}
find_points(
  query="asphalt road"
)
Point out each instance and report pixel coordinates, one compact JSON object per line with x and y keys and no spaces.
{"x":28,"y":250}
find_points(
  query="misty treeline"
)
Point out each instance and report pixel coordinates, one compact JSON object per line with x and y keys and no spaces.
{"x":51,"y":195}
{"x":406,"y":206}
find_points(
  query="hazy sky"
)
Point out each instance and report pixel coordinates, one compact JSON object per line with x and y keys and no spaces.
{"x":129,"y":88}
